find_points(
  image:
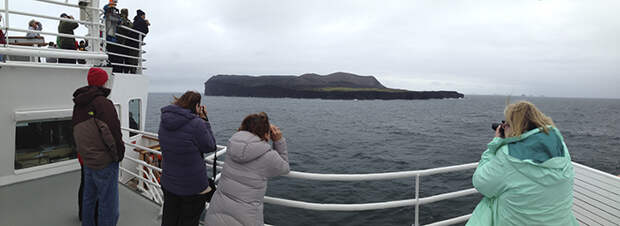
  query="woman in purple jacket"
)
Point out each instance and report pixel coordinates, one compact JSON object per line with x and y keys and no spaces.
{"x":184,"y":135}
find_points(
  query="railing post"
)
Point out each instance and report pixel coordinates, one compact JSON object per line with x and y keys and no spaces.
{"x":140,"y":54}
{"x":417,"y":200}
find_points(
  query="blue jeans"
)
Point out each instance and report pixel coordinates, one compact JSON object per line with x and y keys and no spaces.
{"x":100,"y":185}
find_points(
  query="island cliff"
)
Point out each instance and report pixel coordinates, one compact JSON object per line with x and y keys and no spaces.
{"x":338,"y":85}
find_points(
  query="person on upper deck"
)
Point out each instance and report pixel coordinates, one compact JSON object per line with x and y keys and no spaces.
{"x":66,"y":27}
{"x":526,"y":175}
{"x":51,"y":45}
{"x":98,"y":139}
{"x":34,"y":26}
{"x":184,"y":135}
{"x":124,"y":41}
{"x":2,"y":40}
{"x":140,"y":22}
{"x":250,"y":161}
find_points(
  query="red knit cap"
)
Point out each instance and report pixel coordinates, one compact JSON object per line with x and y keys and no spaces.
{"x":97,"y":76}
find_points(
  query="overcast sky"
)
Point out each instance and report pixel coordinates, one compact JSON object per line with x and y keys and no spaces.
{"x":568,"y":48}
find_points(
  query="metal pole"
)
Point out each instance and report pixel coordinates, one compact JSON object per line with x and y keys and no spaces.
{"x":417,"y":200}
{"x":140,"y":54}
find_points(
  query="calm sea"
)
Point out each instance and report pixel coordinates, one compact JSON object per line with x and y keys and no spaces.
{"x":343,"y":136}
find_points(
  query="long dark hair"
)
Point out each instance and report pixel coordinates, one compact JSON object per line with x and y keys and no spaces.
{"x":258,"y":124}
{"x":188,"y":100}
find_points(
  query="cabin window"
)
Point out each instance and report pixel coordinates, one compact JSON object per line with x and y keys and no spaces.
{"x":134,"y":115}
{"x":43,"y":142}
{"x":118,"y":111}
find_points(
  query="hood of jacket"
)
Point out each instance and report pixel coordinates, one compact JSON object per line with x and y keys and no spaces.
{"x":244,"y":147}
{"x":542,"y":157}
{"x":86,"y":94}
{"x":174,"y":117}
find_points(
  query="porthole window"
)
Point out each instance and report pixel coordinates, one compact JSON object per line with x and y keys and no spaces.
{"x":43,"y":142}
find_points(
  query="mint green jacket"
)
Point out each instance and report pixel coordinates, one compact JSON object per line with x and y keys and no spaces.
{"x":525,"y":180}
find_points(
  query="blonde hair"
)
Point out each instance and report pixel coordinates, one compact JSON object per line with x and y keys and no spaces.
{"x":523,"y":116}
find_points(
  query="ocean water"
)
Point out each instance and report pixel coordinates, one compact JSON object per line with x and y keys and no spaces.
{"x":344,"y":136}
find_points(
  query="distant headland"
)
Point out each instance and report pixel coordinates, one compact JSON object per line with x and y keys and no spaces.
{"x":338,"y":85}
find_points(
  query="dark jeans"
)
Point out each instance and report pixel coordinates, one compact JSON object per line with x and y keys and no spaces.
{"x":180,"y":210}
{"x":100,"y":185}
{"x":81,"y":194}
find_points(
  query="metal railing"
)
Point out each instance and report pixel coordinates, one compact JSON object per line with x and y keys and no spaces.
{"x":416,"y":201}
{"x":137,"y":59}
{"x":94,"y":27}
{"x":97,"y":52}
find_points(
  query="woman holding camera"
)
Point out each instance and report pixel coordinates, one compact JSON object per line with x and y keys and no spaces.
{"x":184,"y":135}
{"x":526,"y":176}
{"x":250,"y":161}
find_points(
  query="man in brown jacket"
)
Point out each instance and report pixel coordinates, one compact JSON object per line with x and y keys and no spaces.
{"x":98,"y":138}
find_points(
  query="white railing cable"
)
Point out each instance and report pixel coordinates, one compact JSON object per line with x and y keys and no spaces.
{"x":143,"y":163}
{"x":123,"y":55}
{"x":131,"y":29}
{"x":149,"y":134}
{"x":47,"y":52}
{"x":132,"y":39}
{"x":67,"y":4}
{"x":142,"y":148}
{"x":52,"y":18}
{"x":128,"y":65}
{"x":121,"y":45}
{"x":417,"y":174}
{"x":139,"y":177}
{"x":380,"y":176}
{"x":55,"y":34}
{"x":368,"y":206}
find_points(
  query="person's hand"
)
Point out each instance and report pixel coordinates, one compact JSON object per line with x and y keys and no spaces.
{"x":201,"y":111}
{"x":147,"y":22}
{"x":497,"y":131}
{"x":276,"y":134}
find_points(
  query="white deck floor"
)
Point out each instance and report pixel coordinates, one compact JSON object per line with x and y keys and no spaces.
{"x":53,"y":201}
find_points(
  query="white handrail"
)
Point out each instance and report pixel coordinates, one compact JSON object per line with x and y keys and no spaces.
{"x":123,"y":55}
{"x":368,"y":206}
{"x":142,"y":148}
{"x":52,"y":18}
{"x":128,"y":65}
{"x":152,"y":135}
{"x":67,"y":4}
{"x":143,"y":163}
{"x":47,"y":52}
{"x":353,"y":177}
{"x":55,"y":34}
{"x":132,"y":39}
{"x":139,"y":177}
{"x":121,"y":45}
{"x":131,"y":29}
{"x":379,"y":176}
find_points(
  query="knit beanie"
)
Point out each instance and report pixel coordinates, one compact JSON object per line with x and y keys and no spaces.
{"x":139,"y":12}
{"x":97,"y":76}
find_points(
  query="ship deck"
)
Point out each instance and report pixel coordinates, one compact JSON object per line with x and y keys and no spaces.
{"x":53,"y":201}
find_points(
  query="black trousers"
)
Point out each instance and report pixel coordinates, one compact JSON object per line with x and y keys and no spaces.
{"x":180,"y":210}
{"x":66,"y":61}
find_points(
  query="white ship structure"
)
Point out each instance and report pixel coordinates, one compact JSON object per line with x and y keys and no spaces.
{"x":39,"y":172}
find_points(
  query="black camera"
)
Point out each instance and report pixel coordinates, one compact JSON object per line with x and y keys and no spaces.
{"x":501,"y":129}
